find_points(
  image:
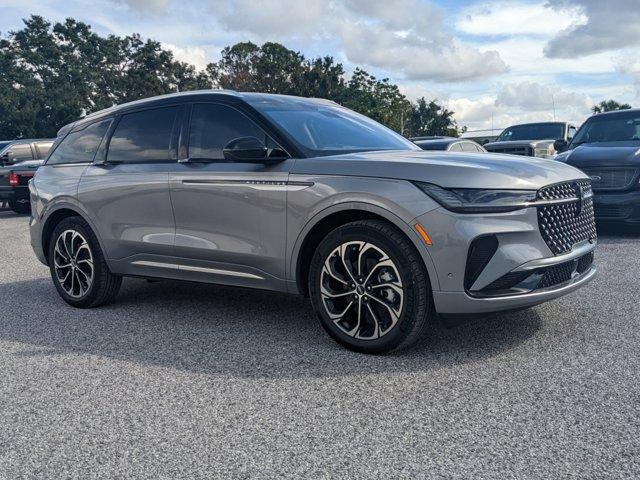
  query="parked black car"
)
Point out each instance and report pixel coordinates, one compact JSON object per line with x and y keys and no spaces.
{"x":18,"y":180}
{"x":607,"y":148}
{"x":25,"y":156}
{"x":449,"y":144}
{"x":532,"y":139}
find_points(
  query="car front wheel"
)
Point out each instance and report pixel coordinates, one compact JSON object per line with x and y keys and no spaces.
{"x":78,"y":267}
{"x":369,"y":287}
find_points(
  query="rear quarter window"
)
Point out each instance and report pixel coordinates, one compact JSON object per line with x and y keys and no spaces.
{"x":80,"y":146}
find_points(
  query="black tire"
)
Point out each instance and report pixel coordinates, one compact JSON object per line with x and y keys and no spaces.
{"x":104,"y":285}
{"x":413,"y":300}
{"x":20,"y":208}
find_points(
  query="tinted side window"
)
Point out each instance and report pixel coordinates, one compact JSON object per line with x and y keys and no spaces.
{"x":213,"y":126}
{"x":80,"y":146}
{"x":143,"y":136}
{"x":19,"y":152}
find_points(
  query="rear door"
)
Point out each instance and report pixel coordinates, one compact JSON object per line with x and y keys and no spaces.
{"x":230,"y":217}
{"x":126,"y":191}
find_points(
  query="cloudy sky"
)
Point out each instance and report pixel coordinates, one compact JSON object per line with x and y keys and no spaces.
{"x":493,"y":63}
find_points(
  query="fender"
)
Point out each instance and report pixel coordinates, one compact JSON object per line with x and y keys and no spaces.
{"x":68,"y":203}
{"x":357,"y":205}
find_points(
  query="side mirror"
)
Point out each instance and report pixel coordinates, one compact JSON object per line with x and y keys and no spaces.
{"x":246,"y":149}
{"x":560,"y":145}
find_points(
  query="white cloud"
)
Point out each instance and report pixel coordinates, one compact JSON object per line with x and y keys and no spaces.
{"x":522,"y":102}
{"x":408,"y":38}
{"x":414,"y":91}
{"x":629,"y":65}
{"x":474,"y":111}
{"x":536,"y":97}
{"x":271,"y":19}
{"x":146,"y":6}
{"x":196,"y":56}
{"x":516,"y":18}
{"x":525,"y":56}
{"x":417,"y":58}
{"x":610,"y":25}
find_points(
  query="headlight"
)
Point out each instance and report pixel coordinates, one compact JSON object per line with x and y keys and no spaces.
{"x":543,"y":152}
{"x":468,"y":200}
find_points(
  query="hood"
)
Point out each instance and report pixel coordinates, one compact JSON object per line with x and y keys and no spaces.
{"x":519,"y":143}
{"x":605,"y":154}
{"x":446,"y":169}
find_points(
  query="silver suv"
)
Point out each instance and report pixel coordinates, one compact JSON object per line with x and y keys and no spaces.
{"x":304,"y":196}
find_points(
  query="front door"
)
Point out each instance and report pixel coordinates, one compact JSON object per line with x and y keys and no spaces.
{"x":230,"y":217}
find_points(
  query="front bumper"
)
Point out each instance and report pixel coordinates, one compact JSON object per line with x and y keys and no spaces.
{"x":460,"y":303}
{"x":618,"y":207}
{"x":520,"y":248}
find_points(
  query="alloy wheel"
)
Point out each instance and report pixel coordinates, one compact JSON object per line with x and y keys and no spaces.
{"x":73,"y":263}
{"x":361,"y":290}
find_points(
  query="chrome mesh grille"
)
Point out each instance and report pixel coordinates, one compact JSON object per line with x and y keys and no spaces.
{"x":564,"y":224}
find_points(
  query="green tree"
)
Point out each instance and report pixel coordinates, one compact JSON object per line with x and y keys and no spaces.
{"x":609,"y":105}
{"x":430,"y":119}
{"x":236,"y":70}
{"x":50,"y":74}
{"x":273,"y":68}
{"x":53,"y":73}
{"x":377,"y":99}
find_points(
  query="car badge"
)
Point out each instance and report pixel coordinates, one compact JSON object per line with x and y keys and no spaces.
{"x":580,"y":205}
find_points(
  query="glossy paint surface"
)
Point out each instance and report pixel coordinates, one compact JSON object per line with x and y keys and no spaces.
{"x":245,"y":223}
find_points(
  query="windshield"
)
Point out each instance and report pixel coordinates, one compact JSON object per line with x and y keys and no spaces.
{"x":612,"y":127}
{"x":533,"y":131}
{"x":320,"y":129}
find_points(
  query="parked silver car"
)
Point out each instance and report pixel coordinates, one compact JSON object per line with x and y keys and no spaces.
{"x":305,"y":196}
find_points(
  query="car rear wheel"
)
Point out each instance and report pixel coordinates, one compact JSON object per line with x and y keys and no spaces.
{"x":20,"y":207}
{"x":78,"y":268}
{"x":369,"y":287}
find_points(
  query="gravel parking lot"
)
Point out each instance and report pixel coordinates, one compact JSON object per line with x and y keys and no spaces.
{"x":179,"y":380}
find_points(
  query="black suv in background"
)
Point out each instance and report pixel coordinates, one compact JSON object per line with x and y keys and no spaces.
{"x":532,"y":139}
{"x":18,"y":161}
{"x":607,"y":148}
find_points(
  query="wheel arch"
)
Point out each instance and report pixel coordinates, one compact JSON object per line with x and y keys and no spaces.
{"x":54,"y":217}
{"x":337,"y":215}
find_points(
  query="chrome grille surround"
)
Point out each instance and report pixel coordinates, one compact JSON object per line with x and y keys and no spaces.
{"x":565,"y":216}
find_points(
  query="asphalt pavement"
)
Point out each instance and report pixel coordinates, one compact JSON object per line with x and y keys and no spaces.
{"x":180,"y":380}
